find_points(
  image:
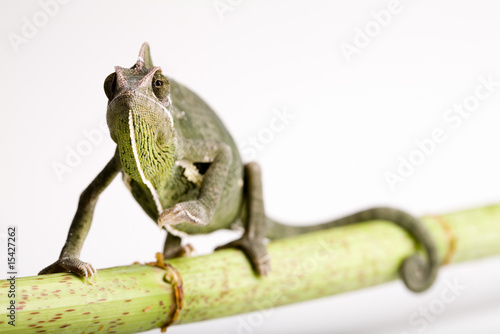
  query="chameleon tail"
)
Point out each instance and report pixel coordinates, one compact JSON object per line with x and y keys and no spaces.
{"x":418,"y":273}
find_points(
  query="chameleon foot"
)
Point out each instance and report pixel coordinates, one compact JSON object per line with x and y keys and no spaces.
{"x":73,"y":265}
{"x":185,"y":212}
{"x":187,"y":251}
{"x":255,"y":251}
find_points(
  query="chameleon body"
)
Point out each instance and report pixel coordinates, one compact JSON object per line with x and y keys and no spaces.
{"x":183,"y":167}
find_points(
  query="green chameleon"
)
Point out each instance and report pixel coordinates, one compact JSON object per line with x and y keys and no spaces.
{"x":182,"y":166}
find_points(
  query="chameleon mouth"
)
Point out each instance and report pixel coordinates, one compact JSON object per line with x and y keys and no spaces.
{"x":152,"y":103}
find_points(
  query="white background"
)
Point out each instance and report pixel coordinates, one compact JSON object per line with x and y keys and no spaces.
{"x":353,"y":120}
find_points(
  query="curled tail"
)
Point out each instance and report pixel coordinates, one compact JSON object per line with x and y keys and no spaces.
{"x":417,"y":273}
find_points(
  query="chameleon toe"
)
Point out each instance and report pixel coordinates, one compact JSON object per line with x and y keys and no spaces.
{"x":256,"y":252}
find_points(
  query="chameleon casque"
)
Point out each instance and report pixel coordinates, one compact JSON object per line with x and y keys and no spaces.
{"x":183,"y":168}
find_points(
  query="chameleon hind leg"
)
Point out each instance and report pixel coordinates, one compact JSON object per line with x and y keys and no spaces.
{"x":173,"y":247}
{"x":252,"y":240}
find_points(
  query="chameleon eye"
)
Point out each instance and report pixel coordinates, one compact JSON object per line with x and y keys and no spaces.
{"x":161,"y":87}
{"x":110,"y":85}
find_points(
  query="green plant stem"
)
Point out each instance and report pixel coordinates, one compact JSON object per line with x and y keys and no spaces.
{"x":137,"y":298}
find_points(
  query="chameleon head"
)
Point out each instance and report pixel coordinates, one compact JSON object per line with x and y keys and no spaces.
{"x":140,"y":120}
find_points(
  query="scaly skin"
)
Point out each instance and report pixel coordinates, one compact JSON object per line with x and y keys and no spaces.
{"x":183,"y":167}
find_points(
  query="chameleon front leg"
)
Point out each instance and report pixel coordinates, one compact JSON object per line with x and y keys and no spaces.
{"x":252,"y":240}
{"x":69,"y":258}
{"x":201,"y":210}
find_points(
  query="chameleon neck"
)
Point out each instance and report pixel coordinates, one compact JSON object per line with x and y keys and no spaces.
{"x":146,"y":161}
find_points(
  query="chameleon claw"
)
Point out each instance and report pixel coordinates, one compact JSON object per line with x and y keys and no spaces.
{"x":182,"y":213}
{"x":187,"y":251}
{"x":85,"y":276}
{"x":73,"y":265}
{"x":256,"y":252}
{"x":87,"y":271}
{"x":91,"y":274}
{"x":264,"y":265}
{"x":173,"y":216}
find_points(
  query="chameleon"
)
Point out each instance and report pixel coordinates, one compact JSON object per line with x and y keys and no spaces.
{"x":182,"y":166}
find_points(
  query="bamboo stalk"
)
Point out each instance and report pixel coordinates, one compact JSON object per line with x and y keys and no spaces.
{"x":137,"y":298}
